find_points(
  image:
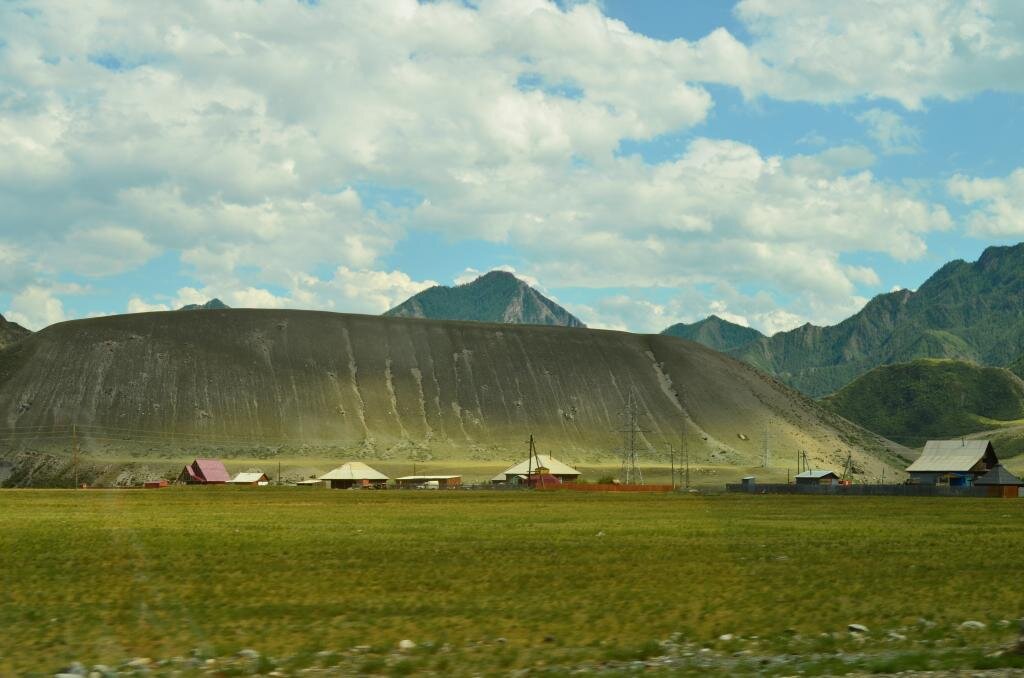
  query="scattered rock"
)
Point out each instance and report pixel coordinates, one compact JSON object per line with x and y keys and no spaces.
{"x":549,"y":639}
{"x":249,"y":654}
{"x":896,"y":637}
{"x":857,"y":628}
{"x":972,"y":625}
{"x":501,"y":641}
{"x":75,"y":669}
{"x":406,"y":645}
{"x":600,"y":534}
{"x":725,"y":637}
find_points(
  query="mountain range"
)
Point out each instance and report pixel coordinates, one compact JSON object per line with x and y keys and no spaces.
{"x":495,"y":297}
{"x":967,"y":311}
{"x":212,"y":305}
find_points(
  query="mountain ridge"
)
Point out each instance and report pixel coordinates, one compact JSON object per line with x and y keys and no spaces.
{"x":497,"y":296}
{"x":11,"y":332}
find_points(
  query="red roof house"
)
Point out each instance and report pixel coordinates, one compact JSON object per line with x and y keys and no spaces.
{"x":204,"y":472}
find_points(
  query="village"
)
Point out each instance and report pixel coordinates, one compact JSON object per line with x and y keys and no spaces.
{"x":945,"y":468}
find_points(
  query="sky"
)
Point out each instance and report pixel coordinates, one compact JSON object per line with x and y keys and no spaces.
{"x":643,"y":162}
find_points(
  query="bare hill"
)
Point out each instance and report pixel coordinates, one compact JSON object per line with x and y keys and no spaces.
{"x":396,"y":388}
{"x":11,"y":332}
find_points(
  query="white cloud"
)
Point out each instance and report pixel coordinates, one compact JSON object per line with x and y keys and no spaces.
{"x":998,"y":203}
{"x":906,"y":51}
{"x":37,"y":306}
{"x":888,"y":129}
{"x":137,"y":305}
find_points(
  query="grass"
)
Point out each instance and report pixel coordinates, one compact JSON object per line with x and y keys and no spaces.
{"x":493,"y":581}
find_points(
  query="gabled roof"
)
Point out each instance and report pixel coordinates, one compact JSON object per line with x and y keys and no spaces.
{"x":211,"y":470}
{"x":998,"y":475}
{"x":555,"y":467}
{"x":414,"y":478}
{"x":249,"y":477}
{"x":354,"y":470}
{"x":950,"y":455}
{"x":820,"y":473}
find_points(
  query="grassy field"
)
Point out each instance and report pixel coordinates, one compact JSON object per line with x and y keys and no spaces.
{"x":491,"y":581}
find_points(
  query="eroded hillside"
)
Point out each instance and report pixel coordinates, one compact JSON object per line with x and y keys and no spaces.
{"x":399,"y":388}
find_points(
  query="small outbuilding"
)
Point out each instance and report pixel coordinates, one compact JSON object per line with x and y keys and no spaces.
{"x":429,"y":482}
{"x":204,"y":472}
{"x":1000,"y":482}
{"x":155,"y":484}
{"x":355,"y":474}
{"x":541,"y":464}
{"x":817,"y":477}
{"x":254,"y":478}
{"x":957,"y":463}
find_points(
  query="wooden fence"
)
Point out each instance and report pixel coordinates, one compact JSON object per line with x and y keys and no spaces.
{"x":861,"y":490}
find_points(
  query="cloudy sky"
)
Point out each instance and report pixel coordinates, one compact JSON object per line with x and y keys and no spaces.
{"x":647,"y":161}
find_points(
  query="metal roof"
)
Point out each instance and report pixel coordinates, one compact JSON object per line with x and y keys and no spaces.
{"x":555,"y":467}
{"x":249,"y":477}
{"x":998,"y":475}
{"x":820,"y":473}
{"x":354,"y":470}
{"x":211,"y":470}
{"x":950,"y":455}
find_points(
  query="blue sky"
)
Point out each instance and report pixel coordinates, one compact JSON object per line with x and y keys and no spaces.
{"x":644,"y":162}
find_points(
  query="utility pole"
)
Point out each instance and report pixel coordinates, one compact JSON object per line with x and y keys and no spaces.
{"x":279,"y":483}
{"x":74,"y":451}
{"x":686,"y":457}
{"x":767,"y":448}
{"x":672,"y":460}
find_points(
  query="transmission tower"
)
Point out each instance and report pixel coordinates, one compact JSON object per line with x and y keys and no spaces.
{"x":631,"y":431}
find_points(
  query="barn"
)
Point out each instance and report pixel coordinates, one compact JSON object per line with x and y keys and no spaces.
{"x":354,"y":474}
{"x":956,"y":463}
{"x":204,"y":472}
{"x":254,"y":478}
{"x":819,"y":477}
{"x":1000,"y":482}
{"x":541,"y":464}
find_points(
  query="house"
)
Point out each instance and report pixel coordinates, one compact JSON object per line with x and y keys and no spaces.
{"x":204,"y":472}
{"x":429,"y":482}
{"x":540,"y":464}
{"x":255,"y":478}
{"x":355,"y":474}
{"x":818,"y":477}
{"x":1000,"y":482}
{"x":957,"y":463}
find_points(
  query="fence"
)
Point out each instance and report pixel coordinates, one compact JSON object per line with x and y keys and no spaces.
{"x":861,"y":490}
{"x":609,"y":487}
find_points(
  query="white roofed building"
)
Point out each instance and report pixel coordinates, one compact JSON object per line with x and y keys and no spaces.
{"x":540,"y":463}
{"x":354,"y":474}
{"x":957,"y":463}
{"x":258,"y":478}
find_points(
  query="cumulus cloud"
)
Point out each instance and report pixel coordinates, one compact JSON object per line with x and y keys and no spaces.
{"x":890,"y":131}
{"x":37,"y":306}
{"x":997,"y":203}
{"x":255,"y":140}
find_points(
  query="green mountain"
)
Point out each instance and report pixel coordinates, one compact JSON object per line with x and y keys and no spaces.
{"x":304,"y":383}
{"x":11,"y":332}
{"x":212,"y":305}
{"x":714,"y":332}
{"x":966,"y":311}
{"x":924,"y":399}
{"x":496,"y":297}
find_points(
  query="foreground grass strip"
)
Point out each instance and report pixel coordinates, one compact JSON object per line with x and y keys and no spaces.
{"x":502,"y":580}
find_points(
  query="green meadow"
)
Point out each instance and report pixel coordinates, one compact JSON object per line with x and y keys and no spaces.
{"x":492,"y":581}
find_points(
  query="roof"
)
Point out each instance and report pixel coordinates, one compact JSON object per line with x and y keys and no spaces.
{"x":554,"y":467}
{"x":354,"y":470}
{"x":950,"y":455}
{"x":309,"y":481}
{"x":428,"y":477}
{"x":250,"y":477}
{"x":212,"y":470}
{"x":998,"y":475}
{"x":819,"y":473}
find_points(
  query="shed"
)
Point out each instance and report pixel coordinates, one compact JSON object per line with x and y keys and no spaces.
{"x":155,"y":484}
{"x":1000,"y":482}
{"x":257,"y":478}
{"x":541,"y":464}
{"x":355,"y":474}
{"x":957,"y":463}
{"x":433,"y":482}
{"x":310,"y":482}
{"x":204,"y":472}
{"x":748,"y":482}
{"x":817,"y":477}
